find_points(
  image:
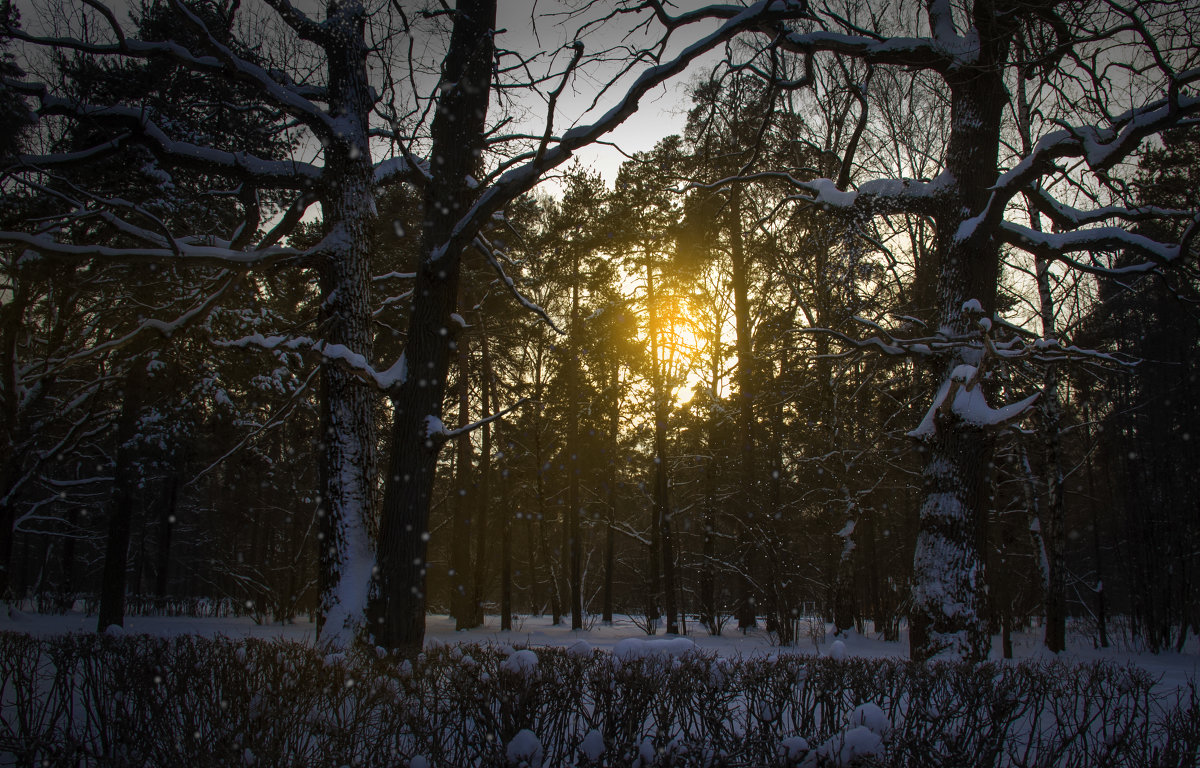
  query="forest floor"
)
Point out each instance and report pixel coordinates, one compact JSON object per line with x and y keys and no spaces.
{"x":1174,"y":670}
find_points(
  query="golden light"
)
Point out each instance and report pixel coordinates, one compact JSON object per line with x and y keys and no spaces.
{"x":681,"y":342}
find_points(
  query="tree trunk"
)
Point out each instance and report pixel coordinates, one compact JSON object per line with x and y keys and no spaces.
{"x":166,"y":526}
{"x":348,"y":465}
{"x":483,"y":489}
{"x":574,"y":548}
{"x":610,"y":533}
{"x":662,"y":502}
{"x":708,"y":545}
{"x":1053,"y":522}
{"x":747,"y":611}
{"x":457,"y":134}
{"x":116,"y":549}
{"x":462,"y":603}
{"x":947,"y":567}
{"x":506,"y":534}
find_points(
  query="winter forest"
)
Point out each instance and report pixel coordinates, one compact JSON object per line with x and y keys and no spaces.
{"x":715,"y":317}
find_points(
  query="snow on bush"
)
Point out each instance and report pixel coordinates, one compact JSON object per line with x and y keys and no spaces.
{"x":96,"y":700}
{"x":524,"y":751}
{"x":522,"y":663}
{"x":592,"y":746}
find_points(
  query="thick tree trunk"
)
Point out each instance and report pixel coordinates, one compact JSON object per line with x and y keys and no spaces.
{"x":12,"y":316}
{"x":947,"y":565}
{"x":348,"y":465}
{"x":166,"y":526}
{"x":457,"y":135}
{"x":506,"y":534}
{"x":610,"y":533}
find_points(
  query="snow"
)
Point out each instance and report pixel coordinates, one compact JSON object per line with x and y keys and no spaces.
{"x":792,"y":749}
{"x":522,"y":663}
{"x":871,"y":717}
{"x":524,"y":751}
{"x":961,"y":395}
{"x":846,"y":747}
{"x":635,"y":648}
{"x":1174,"y":670}
{"x":592,"y":746}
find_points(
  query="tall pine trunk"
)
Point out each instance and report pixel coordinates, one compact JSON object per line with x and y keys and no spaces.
{"x":120,"y":520}
{"x":462,"y":603}
{"x":483,"y":486}
{"x":747,"y":610}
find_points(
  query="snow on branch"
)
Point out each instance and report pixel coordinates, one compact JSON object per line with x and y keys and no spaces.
{"x":521,"y":179}
{"x":879,"y":196}
{"x":1068,"y":217}
{"x":293,"y":98}
{"x":961,"y":397}
{"x":404,"y":168}
{"x":435,"y":429}
{"x":188,"y":253}
{"x":1018,"y":344}
{"x":490,"y":253}
{"x":1055,"y":245}
{"x":291,"y":174}
{"x":296,"y":105}
{"x":387,"y":381}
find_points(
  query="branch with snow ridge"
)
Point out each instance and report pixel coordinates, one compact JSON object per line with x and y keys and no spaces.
{"x":387,"y":381}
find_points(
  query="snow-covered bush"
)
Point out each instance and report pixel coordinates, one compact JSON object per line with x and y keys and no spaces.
{"x":92,"y":700}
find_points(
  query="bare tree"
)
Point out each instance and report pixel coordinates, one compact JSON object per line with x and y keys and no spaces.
{"x":433,"y":124}
{"x":972,"y":52}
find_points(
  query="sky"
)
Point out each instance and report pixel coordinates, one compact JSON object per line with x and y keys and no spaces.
{"x":532,"y":25}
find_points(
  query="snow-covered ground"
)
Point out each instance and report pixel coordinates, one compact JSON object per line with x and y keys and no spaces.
{"x":1174,"y":669}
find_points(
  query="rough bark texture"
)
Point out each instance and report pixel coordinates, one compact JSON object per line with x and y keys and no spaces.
{"x":610,"y":533}
{"x":348,"y":463}
{"x":574,"y":544}
{"x":947,"y":567}
{"x":458,"y":128}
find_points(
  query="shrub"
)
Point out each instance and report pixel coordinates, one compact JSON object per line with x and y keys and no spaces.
{"x":98,"y":700}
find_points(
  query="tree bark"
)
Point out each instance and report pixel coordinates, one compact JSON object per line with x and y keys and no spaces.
{"x":662,"y":501}
{"x":348,"y":464}
{"x":462,"y":603}
{"x":483,"y":488}
{"x":947,"y":565}
{"x":457,"y":133}
{"x":610,"y":533}
{"x":1053,"y":523}
{"x":747,"y":610}
{"x":116,"y":549}
{"x":574,"y":374}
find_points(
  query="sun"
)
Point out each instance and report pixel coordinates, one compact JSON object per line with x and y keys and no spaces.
{"x":681,"y":343}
